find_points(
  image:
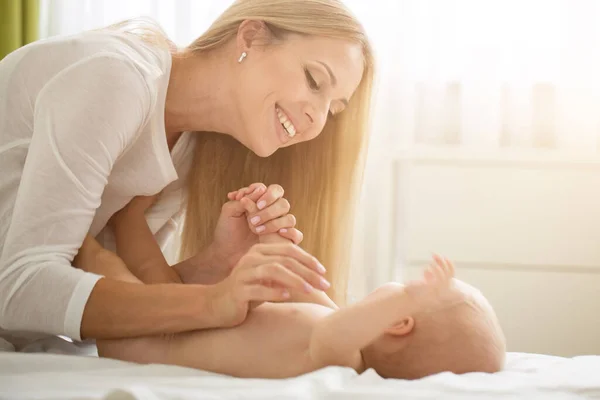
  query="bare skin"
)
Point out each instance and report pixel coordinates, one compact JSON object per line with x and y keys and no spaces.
{"x":308,"y":78}
{"x":304,"y":77}
{"x":276,"y":340}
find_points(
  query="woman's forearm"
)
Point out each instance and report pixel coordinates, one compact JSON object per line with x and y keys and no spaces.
{"x":122,"y":309}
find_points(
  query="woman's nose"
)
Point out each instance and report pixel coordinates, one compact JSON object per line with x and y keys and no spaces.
{"x":315,"y":117}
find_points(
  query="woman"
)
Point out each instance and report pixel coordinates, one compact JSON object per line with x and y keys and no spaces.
{"x":90,"y":121}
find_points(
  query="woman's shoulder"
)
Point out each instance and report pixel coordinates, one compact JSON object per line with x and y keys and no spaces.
{"x":152,"y":60}
{"x":50,"y":56}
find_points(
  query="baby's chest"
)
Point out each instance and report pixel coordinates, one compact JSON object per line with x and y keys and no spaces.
{"x":274,"y":342}
{"x":280,"y":330}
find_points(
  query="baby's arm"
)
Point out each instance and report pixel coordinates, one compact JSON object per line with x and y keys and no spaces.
{"x":353,"y":328}
{"x":345,"y":332}
{"x":137,"y":246}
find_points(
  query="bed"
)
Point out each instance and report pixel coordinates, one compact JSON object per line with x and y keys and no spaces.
{"x":65,"y":377}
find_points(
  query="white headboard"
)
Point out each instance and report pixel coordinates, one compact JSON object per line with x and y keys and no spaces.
{"x":524,"y":228}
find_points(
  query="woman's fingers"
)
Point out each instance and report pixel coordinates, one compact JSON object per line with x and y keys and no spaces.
{"x":292,"y":234}
{"x":272,"y":194}
{"x":293,"y":251}
{"x":278,"y":209}
{"x":287,"y":221}
{"x":260,"y":293}
{"x":278,"y":274}
{"x":270,"y":258}
{"x":315,"y":279}
{"x":274,"y":206}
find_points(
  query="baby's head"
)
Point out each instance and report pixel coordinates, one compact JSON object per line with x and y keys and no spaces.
{"x":462,"y":336}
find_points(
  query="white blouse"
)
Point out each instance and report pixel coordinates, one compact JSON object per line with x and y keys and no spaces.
{"x":81,"y":133}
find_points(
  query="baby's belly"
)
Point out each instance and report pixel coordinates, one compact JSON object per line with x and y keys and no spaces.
{"x":273,"y":342}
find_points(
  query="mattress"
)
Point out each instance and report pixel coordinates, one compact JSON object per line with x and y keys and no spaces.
{"x":53,"y":376}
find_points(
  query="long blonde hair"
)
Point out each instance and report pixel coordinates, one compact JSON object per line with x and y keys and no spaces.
{"x":321,"y":177}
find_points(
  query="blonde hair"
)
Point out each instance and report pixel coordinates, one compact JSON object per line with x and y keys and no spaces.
{"x":321,"y":177}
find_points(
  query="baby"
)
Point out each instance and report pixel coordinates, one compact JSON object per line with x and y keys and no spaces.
{"x":430,"y":326}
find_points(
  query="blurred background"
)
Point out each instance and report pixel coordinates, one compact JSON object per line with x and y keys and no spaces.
{"x":484,"y":146}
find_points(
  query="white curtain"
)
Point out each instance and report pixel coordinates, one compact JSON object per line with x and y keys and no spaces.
{"x":454,"y":75}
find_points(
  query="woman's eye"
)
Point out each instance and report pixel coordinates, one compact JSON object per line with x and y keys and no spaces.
{"x":311,"y":81}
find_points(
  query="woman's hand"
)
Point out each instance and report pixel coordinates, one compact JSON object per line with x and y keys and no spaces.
{"x":268,"y":272}
{"x":278,"y":229}
{"x":236,"y":231}
{"x":285,"y":235}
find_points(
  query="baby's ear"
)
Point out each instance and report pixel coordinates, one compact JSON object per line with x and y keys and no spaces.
{"x":402,"y":328}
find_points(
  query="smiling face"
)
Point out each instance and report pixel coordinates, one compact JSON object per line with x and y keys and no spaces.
{"x":287,"y":90}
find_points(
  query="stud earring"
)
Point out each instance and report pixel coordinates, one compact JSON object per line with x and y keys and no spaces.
{"x":244,"y":54}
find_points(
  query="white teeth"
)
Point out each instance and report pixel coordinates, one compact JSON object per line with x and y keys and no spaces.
{"x":287,"y":124}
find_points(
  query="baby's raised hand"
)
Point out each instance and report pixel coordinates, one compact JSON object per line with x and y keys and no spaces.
{"x":434,"y":290}
{"x":439,"y":273}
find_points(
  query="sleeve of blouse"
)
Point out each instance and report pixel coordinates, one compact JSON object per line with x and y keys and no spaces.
{"x":85,"y":118}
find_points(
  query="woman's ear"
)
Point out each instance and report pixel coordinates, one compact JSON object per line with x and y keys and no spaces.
{"x":402,"y":328}
{"x":251,"y":32}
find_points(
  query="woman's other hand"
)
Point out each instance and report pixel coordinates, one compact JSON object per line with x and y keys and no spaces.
{"x":266,"y":273}
{"x":238,"y":229}
{"x":273,"y":224}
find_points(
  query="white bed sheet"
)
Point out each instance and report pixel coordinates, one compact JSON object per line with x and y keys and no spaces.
{"x":50,"y":376}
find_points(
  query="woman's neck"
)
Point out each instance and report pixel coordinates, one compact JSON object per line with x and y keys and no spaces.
{"x":199,"y":95}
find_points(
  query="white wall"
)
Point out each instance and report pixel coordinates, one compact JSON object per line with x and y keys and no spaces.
{"x":523,"y":228}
